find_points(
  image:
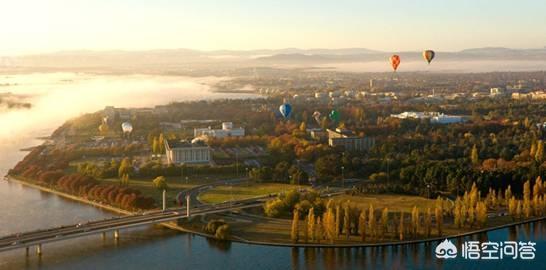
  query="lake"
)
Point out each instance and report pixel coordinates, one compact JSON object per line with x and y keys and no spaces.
{"x":59,"y":96}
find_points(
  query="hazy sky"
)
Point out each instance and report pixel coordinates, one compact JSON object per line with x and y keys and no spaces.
{"x":29,"y":26}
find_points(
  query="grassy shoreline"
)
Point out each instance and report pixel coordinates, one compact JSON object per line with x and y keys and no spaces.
{"x":240,"y":239}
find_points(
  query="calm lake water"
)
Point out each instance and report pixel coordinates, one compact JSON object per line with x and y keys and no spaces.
{"x":151,"y":247}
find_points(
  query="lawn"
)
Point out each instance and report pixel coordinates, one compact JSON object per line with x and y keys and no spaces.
{"x":175,"y":186}
{"x":394,"y":202}
{"x":244,"y":191}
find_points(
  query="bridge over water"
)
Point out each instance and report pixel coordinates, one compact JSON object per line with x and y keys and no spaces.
{"x":39,"y":237}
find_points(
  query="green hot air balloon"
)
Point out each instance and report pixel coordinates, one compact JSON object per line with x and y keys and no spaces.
{"x":334,"y":115}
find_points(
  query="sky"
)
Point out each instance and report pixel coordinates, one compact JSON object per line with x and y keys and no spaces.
{"x":38,"y":26}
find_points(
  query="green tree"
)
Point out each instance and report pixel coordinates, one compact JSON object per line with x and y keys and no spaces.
{"x":155,"y":146}
{"x":161,"y":143}
{"x":125,"y":167}
{"x":160,"y":183}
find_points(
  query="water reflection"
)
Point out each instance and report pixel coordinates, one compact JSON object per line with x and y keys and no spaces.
{"x":417,"y":256}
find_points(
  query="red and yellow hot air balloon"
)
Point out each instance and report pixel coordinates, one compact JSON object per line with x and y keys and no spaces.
{"x":395,"y":61}
{"x":428,"y":55}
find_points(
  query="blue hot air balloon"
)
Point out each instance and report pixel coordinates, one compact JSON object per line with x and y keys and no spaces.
{"x":285,"y":110}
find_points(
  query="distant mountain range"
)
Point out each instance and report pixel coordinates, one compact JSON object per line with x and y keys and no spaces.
{"x":186,"y":57}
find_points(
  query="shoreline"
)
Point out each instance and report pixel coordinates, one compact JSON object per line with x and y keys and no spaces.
{"x":238,"y":239}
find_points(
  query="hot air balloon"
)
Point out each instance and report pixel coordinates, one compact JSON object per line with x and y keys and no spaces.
{"x":126,"y":127}
{"x":395,"y":61}
{"x":428,"y":55}
{"x":285,"y":110}
{"x":316,"y":115}
{"x":334,"y":115}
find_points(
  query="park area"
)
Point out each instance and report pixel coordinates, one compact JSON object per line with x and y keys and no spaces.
{"x":242,"y":191}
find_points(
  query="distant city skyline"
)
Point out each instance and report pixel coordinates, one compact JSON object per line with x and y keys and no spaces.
{"x":32,"y":26}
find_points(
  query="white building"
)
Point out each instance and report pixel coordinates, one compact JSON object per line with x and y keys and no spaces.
{"x":435,"y":117}
{"x":226,"y":131}
{"x":496,"y":91}
{"x":183,"y":152}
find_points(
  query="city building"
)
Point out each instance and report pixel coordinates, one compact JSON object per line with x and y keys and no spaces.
{"x":496,"y":91}
{"x":226,"y":131}
{"x":350,"y":142}
{"x":435,"y":117}
{"x":541,"y":94}
{"x":184,"y":152}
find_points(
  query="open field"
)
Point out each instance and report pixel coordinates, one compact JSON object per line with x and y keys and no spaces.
{"x":394,"y":202}
{"x":175,"y":186}
{"x":238,"y":192}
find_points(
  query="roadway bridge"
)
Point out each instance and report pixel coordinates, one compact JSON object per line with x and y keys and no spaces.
{"x":39,"y":237}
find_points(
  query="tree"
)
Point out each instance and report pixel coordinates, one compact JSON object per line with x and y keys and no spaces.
{"x":294,"y":234}
{"x":303,"y":127}
{"x":125,"y":167}
{"x":527,"y":208}
{"x":346,"y":220}
{"x":155,"y":146}
{"x":329,"y":223}
{"x":481,"y":214}
{"x":161,"y":143}
{"x":371,"y":221}
{"x":518,"y":209}
{"x":362,"y":225}
{"x":471,"y":216}
{"x":464,"y":215}
{"x":512,"y":205}
{"x":428,"y":222}
{"x":223,"y":232}
{"x":474,"y":156}
{"x":508,"y":194}
{"x":527,"y":191}
{"x":125,"y":179}
{"x":539,"y":155}
{"x":311,"y":223}
{"x":415,"y":221}
{"x":160,"y":183}
{"x":384,"y":222}
{"x":327,"y":167}
{"x":457,"y":213}
{"x":538,"y":187}
{"x":319,"y":231}
{"x":401,"y":227}
{"x":439,"y":219}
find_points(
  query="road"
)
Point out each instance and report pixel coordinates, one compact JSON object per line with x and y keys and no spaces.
{"x":26,"y":239}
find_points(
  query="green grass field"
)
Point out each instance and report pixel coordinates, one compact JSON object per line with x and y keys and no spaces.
{"x":238,"y":192}
{"x":175,"y":186}
{"x":394,"y":202}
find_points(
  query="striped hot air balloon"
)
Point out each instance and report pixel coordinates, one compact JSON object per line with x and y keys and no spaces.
{"x":395,"y":61}
{"x":428,"y":55}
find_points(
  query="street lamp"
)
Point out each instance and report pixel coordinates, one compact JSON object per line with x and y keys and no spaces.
{"x":343,"y":176}
{"x":247,"y":177}
{"x":428,"y":191}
